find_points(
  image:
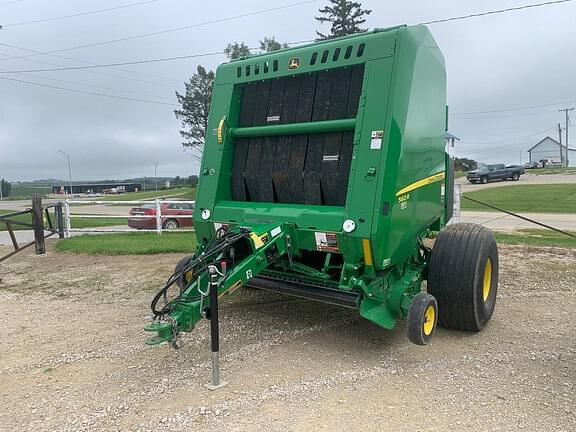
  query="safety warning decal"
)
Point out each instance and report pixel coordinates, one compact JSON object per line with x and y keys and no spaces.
{"x":326,"y":242}
{"x":376,"y":141}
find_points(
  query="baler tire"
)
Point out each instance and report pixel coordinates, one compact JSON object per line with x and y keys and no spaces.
{"x":422,"y":319}
{"x":463,"y":276}
{"x":183,"y":280}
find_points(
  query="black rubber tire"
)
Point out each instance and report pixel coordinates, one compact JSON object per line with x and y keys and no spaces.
{"x":458,"y":266}
{"x":169,"y":222}
{"x":182,"y":281}
{"x":417,"y":319}
{"x":515,"y":177}
{"x":484,"y":180}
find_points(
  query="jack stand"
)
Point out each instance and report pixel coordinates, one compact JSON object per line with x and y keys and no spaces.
{"x":214,"y":333}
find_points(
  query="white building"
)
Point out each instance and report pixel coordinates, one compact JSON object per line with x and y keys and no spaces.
{"x":551,"y":150}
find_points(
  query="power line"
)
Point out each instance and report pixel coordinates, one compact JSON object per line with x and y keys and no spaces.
{"x":509,"y":139}
{"x":9,"y":3}
{"x":93,"y":86}
{"x":90,"y":12}
{"x":493,"y":12}
{"x":77,"y":60}
{"x":104,"y":74}
{"x":176,"y":29}
{"x":135,"y":62}
{"x":515,"y":109}
{"x":87,"y":92}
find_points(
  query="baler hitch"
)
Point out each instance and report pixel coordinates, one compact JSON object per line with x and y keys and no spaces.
{"x":216,"y":266}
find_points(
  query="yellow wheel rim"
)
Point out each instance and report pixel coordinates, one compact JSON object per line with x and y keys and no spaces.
{"x":487,"y":280}
{"x":188,"y":276}
{"x":429,"y":320}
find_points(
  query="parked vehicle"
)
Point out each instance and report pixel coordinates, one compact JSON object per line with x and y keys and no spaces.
{"x":173,"y":216}
{"x":488,"y":173}
{"x":531,"y":165}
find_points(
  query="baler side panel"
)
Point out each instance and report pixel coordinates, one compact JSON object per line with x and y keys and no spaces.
{"x":417,"y":140}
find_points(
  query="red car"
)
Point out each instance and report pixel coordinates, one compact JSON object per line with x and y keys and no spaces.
{"x":173,"y":216}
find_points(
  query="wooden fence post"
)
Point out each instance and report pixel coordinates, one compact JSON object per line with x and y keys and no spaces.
{"x":59,"y":216}
{"x":38,"y":222}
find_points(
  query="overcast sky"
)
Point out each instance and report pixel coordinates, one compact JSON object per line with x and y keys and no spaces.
{"x":497,"y":62}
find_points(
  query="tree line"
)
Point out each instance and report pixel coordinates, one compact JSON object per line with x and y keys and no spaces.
{"x":345,"y":18}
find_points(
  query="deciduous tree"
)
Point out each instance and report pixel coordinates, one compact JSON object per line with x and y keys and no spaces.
{"x":195,"y":104}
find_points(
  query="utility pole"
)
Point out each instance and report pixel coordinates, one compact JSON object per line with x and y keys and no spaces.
{"x":560,"y":139}
{"x":156,"y":176}
{"x":144,"y":183}
{"x":67,"y":156}
{"x":566,"y":111}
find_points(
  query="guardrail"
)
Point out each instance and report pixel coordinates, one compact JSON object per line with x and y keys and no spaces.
{"x":160,"y":218}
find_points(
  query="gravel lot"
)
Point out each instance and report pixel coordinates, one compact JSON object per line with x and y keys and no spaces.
{"x":73,"y":357}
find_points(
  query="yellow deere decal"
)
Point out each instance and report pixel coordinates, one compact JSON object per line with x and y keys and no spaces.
{"x":220,"y":131}
{"x":256,"y":240}
{"x":294,"y":63}
{"x":259,"y":240}
{"x":424,"y":182}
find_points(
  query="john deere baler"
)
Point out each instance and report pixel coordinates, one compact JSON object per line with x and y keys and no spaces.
{"x":324,"y":176}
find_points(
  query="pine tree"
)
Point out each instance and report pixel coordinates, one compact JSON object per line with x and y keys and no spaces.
{"x":195,"y":109}
{"x":345,"y":17}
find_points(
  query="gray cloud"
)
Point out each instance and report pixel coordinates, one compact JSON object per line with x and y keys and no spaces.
{"x":504,"y":61}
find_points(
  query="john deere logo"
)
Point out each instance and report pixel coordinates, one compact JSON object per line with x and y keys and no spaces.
{"x":294,"y":63}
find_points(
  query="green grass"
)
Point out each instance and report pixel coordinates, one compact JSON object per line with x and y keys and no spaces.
{"x":552,"y":170}
{"x":559,"y":198}
{"x":75,"y":222}
{"x":184,"y":193}
{"x":151,"y":243}
{"x":129,"y":244}
{"x":536,"y":237}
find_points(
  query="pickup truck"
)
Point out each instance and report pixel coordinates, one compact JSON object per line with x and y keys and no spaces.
{"x":488,"y":173}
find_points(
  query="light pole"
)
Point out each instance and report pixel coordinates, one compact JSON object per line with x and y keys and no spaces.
{"x":155,"y":176}
{"x":67,"y":156}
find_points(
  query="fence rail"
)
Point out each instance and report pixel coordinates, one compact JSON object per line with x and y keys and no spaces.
{"x":40,"y":216}
{"x":159,"y":216}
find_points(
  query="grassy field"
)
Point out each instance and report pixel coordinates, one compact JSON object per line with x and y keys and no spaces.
{"x":75,"y":222}
{"x":151,"y":243}
{"x":184,"y":193}
{"x":553,"y":198}
{"x":129,"y":244}
{"x":536,"y":237}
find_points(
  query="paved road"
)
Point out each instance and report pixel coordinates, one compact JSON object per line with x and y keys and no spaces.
{"x":503,"y":222}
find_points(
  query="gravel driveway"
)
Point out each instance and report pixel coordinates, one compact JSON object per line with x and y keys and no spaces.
{"x":73,"y":357}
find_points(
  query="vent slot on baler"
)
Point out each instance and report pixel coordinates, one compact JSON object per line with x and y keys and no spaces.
{"x":302,"y":168}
